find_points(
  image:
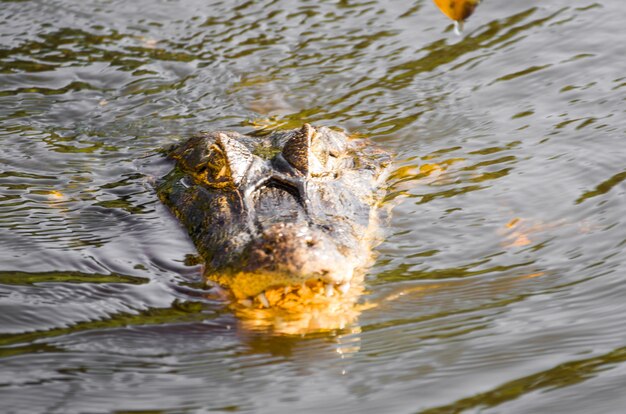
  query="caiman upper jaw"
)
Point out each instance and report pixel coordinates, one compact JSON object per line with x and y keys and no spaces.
{"x":302,"y":252}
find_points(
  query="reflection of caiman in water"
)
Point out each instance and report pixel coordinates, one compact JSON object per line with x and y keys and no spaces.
{"x":284,"y":221}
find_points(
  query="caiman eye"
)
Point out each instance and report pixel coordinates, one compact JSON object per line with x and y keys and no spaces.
{"x":215,"y":170}
{"x":306,"y":153}
{"x":227,"y":162}
{"x":317,"y":152}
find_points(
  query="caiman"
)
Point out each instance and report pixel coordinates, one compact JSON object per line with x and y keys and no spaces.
{"x":282,"y":218}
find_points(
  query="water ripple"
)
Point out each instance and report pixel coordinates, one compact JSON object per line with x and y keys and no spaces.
{"x":498,"y":288}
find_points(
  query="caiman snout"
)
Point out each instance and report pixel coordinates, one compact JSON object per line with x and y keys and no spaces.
{"x":297,"y":254}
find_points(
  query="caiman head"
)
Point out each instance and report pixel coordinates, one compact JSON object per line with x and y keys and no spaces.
{"x":279,"y":217}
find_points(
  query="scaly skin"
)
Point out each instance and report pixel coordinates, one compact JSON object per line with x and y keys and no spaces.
{"x":291,"y":212}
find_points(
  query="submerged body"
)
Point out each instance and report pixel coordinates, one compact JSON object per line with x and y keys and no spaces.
{"x":292,"y":212}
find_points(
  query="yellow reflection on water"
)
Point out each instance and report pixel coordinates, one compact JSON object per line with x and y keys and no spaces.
{"x":307,"y":320}
{"x":520,"y":232}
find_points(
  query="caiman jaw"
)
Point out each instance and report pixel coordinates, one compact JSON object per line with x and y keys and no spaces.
{"x":292,"y":259}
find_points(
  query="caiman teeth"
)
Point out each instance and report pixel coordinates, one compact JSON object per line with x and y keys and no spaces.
{"x":263,"y":299}
{"x":291,"y":294}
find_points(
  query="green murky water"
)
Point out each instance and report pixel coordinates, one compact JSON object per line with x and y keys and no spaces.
{"x":499,"y":289}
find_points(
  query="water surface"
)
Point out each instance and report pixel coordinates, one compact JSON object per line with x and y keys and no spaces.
{"x":499,"y":287}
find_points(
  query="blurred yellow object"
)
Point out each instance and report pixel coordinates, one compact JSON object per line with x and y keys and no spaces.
{"x":56,"y":195}
{"x":457,"y":10}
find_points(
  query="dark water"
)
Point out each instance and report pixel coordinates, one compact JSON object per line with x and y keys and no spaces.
{"x":500,"y":287}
